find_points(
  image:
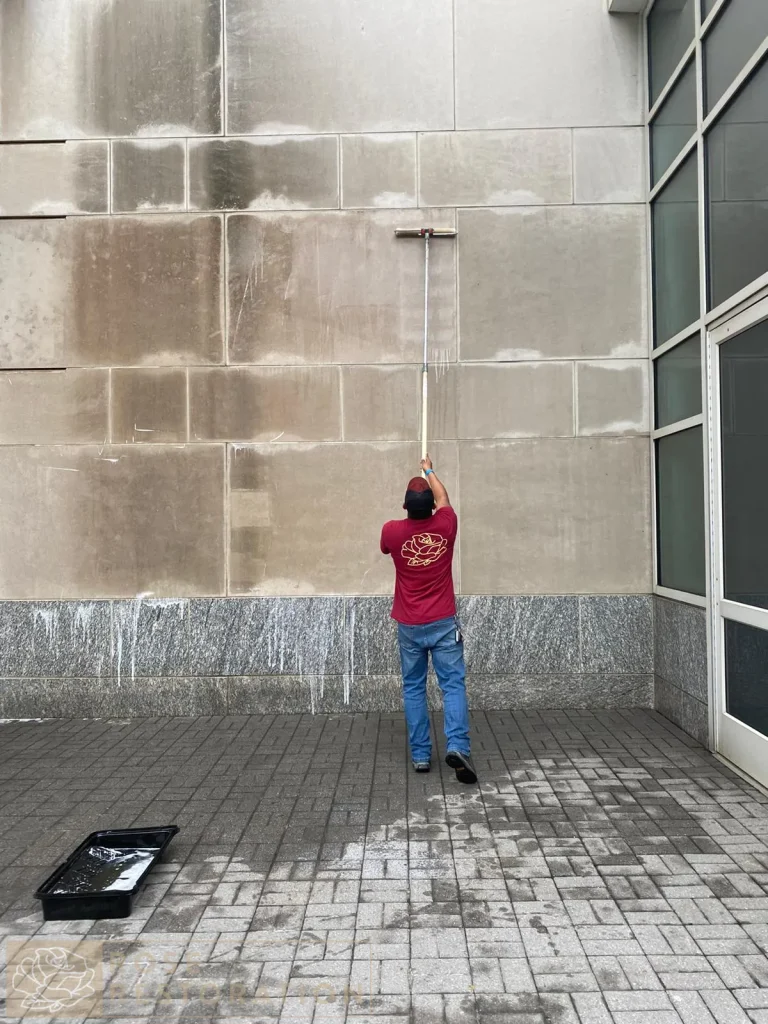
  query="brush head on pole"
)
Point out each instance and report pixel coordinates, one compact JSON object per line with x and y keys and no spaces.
{"x":423,"y":232}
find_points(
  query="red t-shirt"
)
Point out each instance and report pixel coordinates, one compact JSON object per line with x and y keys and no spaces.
{"x":422,"y":550}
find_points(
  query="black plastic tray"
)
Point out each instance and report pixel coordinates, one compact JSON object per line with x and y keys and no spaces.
{"x":103,"y":874}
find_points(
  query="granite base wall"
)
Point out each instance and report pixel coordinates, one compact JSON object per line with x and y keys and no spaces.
{"x":324,"y":654}
{"x":680,"y":666}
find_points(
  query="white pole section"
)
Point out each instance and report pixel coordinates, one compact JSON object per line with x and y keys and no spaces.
{"x":425,"y":365}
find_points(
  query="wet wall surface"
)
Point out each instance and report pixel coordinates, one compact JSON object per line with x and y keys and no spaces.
{"x":209,"y":327}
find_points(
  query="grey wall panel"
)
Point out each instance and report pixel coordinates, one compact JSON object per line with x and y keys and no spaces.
{"x":82,"y":68}
{"x":99,"y":291}
{"x":53,"y":179}
{"x":34,"y":293}
{"x":146,"y":291}
{"x":264,"y":174}
{"x":148,"y":174}
{"x":336,"y":287}
{"x":120,"y":520}
{"x":350,"y":65}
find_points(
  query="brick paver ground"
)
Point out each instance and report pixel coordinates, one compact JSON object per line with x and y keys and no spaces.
{"x":606,"y":871}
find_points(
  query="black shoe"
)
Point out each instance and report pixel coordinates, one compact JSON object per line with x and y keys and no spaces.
{"x":465,"y":770}
{"x":421,"y":766}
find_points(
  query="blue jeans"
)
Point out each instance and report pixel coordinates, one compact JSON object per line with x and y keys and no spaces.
{"x":416,"y":643}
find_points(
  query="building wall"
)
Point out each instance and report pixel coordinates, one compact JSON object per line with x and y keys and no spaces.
{"x":212,"y":337}
{"x":680,"y":665}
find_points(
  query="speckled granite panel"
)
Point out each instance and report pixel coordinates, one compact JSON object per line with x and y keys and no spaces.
{"x":521,"y":635}
{"x":687,"y":712}
{"x":110,"y":698}
{"x":150,"y":637}
{"x":617,"y":634}
{"x":55,"y":638}
{"x":498,"y":692}
{"x":328,"y":695}
{"x":371,"y":636}
{"x":680,"y":644}
{"x":668,"y":700}
{"x":267,"y":636}
{"x":695,"y":719}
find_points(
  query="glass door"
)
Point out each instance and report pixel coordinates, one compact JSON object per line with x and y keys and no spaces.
{"x":739,"y":352}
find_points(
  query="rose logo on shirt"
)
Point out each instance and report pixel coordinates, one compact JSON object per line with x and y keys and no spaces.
{"x":424,"y":548}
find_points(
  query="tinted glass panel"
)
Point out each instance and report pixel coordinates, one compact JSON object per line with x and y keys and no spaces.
{"x":731,"y":42}
{"x":675,"y":219}
{"x":744,"y":433}
{"x":680,"y":496}
{"x":670,"y":32}
{"x":678,"y":383}
{"x":737,"y":158}
{"x":674,"y":124}
{"x":746,"y":675}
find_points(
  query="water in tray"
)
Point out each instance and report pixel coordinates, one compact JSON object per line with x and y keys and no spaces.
{"x":104,"y":869}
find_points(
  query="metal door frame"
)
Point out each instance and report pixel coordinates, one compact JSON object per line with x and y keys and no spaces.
{"x":739,"y":743}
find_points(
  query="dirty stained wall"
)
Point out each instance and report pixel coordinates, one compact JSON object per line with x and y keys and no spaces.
{"x":210,"y":338}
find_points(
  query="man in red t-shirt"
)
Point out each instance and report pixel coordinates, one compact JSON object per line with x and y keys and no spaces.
{"x":421,"y":547}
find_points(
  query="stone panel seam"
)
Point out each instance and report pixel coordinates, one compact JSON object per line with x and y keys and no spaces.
{"x":453,"y":58}
{"x":186,"y":178}
{"x":224,"y":77}
{"x":225,"y":288}
{"x":339,"y":183}
{"x":227,"y":519}
{"x":109,"y":405}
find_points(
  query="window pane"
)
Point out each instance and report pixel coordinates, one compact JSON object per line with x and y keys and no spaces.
{"x":674,"y":124}
{"x":731,"y":42}
{"x":680,"y":497}
{"x":746,"y":675}
{"x":744,"y":432}
{"x":670,"y":32}
{"x":737,"y":157}
{"x":675,"y":219}
{"x":678,"y":383}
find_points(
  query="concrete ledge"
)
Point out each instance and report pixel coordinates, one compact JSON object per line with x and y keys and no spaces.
{"x":627,"y":6}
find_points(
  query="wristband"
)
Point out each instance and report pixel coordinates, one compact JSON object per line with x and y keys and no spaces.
{"x":428,"y":471}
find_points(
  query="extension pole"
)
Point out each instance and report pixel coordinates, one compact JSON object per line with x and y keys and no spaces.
{"x":425,"y":362}
{"x":426,"y":234}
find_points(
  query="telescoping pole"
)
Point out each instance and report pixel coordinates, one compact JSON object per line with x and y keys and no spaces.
{"x":427,"y":234}
{"x":425,"y":361}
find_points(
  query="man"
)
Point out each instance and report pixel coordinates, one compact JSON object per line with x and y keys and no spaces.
{"x":421,"y":547}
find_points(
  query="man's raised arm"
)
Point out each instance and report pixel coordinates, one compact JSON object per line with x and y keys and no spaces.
{"x":441,"y":495}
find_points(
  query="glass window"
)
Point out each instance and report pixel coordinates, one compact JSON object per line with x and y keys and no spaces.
{"x":737,"y":191}
{"x":678,"y":383}
{"x":674,"y":124}
{"x":675,"y":222}
{"x":746,"y":675}
{"x":670,"y":33}
{"x":744,"y":442}
{"x":680,"y":505}
{"x":731,"y":42}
